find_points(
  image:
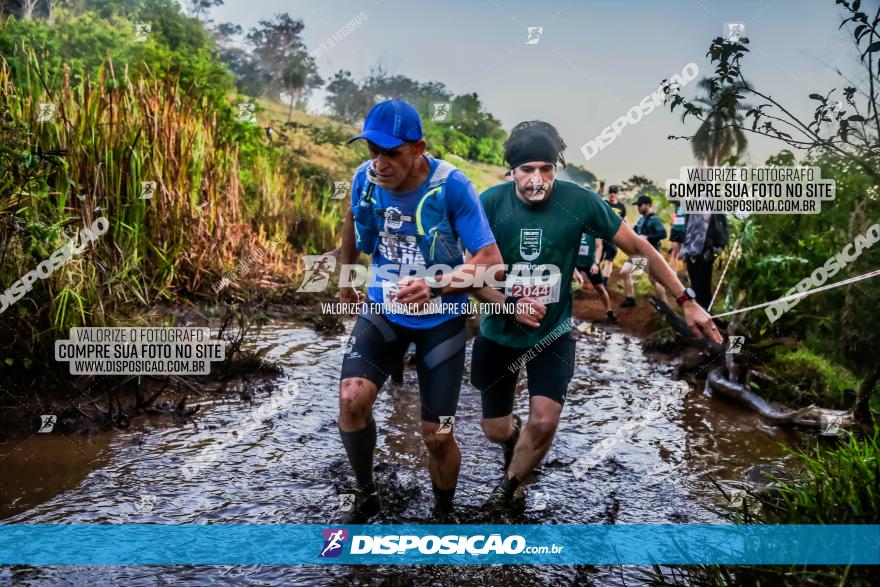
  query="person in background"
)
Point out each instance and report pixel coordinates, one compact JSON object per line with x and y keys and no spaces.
{"x":609,"y":250}
{"x":587,"y":268}
{"x":650,"y":228}
{"x":706,"y":235}
{"x":676,"y":235}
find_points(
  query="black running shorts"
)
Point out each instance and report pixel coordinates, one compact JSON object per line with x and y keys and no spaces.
{"x":378,"y":345}
{"x":495,"y":368}
{"x":594,"y":279}
{"x":609,"y":251}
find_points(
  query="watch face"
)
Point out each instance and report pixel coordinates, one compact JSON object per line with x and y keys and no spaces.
{"x":691,"y":293}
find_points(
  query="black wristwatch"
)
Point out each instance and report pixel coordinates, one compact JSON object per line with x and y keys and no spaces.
{"x":687,"y":294}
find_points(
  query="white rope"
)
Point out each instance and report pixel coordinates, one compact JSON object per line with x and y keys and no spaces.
{"x":800,"y":295}
{"x":734,"y":252}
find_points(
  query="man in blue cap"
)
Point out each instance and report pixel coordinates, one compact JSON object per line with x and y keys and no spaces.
{"x":409,"y":210}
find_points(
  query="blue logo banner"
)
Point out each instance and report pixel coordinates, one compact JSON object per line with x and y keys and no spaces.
{"x":563,"y":544}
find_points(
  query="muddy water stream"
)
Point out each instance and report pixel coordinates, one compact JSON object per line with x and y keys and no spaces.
{"x":278,"y":459}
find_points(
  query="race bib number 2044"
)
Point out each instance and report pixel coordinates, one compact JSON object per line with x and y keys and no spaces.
{"x":543,"y":289}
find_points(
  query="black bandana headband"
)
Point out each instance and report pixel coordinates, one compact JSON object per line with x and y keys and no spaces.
{"x":531,"y":143}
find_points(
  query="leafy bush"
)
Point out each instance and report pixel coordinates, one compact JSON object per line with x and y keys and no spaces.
{"x":808,"y":378}
{"x":780,"y":250}
{"x":835,"y":486}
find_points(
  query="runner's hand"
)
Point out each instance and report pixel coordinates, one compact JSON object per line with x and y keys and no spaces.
{"x":594,"y":269}
{"x":413,"y":290}
{"x":530,"y":312}
{"x":578,"y":277}
{"x":700,"y":322}
{"x":350,"y":295}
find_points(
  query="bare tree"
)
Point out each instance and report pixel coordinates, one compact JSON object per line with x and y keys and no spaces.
{"x":197,"y":8}
{"x":27,"y":8}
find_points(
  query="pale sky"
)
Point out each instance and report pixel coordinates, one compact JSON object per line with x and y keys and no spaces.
{"x":594,"y":60}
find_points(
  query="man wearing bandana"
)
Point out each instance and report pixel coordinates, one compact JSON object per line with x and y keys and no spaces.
{"x":537,"y":221}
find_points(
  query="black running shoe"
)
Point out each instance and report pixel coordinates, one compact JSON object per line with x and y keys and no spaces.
{"x":367,"y":505}
{"x":445,"y":515}
{"x":628,"y":303}
{"x":510,"y":443}
{"x":502,"y":499}
{"x":612,"y":318}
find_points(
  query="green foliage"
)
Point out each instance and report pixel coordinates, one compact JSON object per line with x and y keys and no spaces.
{"x":469,"y":132}
{"x":665,"y":340}
{"x":837,"y":486}
{"x":778,"y":251}
{"x":581,"y":176}
{"x":83,"y":42}
{"x":161,"y":110}
{"x":279,"y":53}
{"x":804,"y":378}
{"x":719,"y":137}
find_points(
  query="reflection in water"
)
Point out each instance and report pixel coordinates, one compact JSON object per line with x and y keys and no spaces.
{"x":279,"y":460}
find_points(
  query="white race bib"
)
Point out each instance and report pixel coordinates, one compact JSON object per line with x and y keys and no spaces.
{"x":392,"y":306}
{"x":542,"y":288}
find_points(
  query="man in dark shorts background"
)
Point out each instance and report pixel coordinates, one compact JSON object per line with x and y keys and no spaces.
{"x":587,"y":269}
{"x":609,"y":249}
{"x":401,"y":198}
{"x":537,"y":221}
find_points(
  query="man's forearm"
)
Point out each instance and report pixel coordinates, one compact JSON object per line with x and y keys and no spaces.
{"x":348,"y":253}
{"x":483,"y":266}
{"x":489,"y":295}
{"x":470,"y":278}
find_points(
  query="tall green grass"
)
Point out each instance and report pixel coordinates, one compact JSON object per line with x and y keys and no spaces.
{"x":838,"y":485}
{"x":220,"y":193}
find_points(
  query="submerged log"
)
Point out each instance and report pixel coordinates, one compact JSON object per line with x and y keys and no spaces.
{"x":826,"y":420}
{"x":724,"y":381}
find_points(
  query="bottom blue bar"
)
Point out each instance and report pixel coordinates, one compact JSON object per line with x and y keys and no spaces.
{"x":245,"y":544}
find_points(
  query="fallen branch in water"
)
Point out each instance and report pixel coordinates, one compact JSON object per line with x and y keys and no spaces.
{"x":808,"y":417}
{"x":680,"y":326}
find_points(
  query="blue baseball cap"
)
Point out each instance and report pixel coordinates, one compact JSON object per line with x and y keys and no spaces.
{"x":390,"y":124}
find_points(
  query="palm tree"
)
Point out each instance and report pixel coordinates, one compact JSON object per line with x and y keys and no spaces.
{"x":718,"y":139}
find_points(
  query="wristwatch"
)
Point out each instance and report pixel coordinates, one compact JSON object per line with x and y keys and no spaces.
{"x":687,"y":294}
{"x":436,"y":288}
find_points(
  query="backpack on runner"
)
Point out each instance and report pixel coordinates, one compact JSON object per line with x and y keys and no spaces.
{"x":718,"y":233}
{"x":436,"y":236}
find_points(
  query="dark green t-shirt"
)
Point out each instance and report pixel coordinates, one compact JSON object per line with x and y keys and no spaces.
{"x":545,"y":234}
{"x":587,"y":251}
{"x":677,"y":227}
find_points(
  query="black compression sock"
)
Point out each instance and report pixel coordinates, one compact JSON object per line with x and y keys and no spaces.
{"x":510,"y":443}
{"x":359,"y":446}
{"x":443,"y":497}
